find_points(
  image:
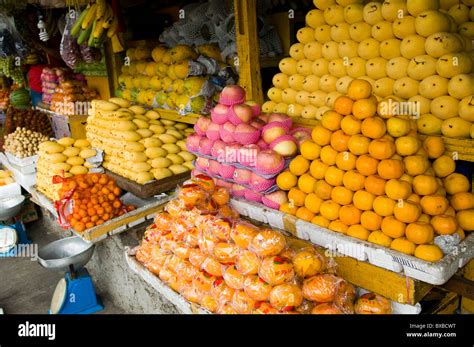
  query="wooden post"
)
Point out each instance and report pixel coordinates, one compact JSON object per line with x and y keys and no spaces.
{"x":248,"y":48}
{"x":467,"y":305}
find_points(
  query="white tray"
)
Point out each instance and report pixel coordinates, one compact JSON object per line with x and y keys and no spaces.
{"x":434,"y":273}
{"x":22,"y":162}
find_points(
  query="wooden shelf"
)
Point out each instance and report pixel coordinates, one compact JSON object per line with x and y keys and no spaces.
{"x":190,"y":118}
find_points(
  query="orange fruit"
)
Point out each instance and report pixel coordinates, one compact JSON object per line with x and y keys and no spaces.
{"x":393,"y":227}
{"x":296,"y":197}
{"x":318,"y":169}
{"x":358,"y":231}
{"x":359,"y":89}
{"x":331,"y":120}
{"x":288,"y":208}
{"x":407,"y":145}
{"x":462,"y":201}
{"x":424,"y":218}
{"x":434,"y":204}
{"x":364,"y":108}
{"x":343,"y":105}
{"x":381,"y":149}
{"x":403,"y":245}
{"x":430,"y":253}
{"x":375,"y":185}
{"x":312,"y":202}
{"x":321,"y":221}
{"x":390,"y":168}
{"x":323,"y":190}
{"x":384,"y":206}
{"x":461,"y":233}
{"x":310,"y":150}
{"x":338,"y":226}
{"x":339,"y":141}
{"x":299,"y":165}
{"x":466,"y":219}
{"x":370,"y":220}
{"x":334,"y":176}
{"x":342,"y":195}
{"x":456,"y":183}
{"x":373,"y":127}
{"x":304,"y":214}
{"x":321,"y":135}
{"x":363,"y":200}
{"x":351,"y":125}
{"x":286,"y":180}
{"x":328,"y":155}
{"x":444,"y":166}
{"x":444,"y":224}
{"x":407,"y":211}
{"x":358,"y":144}
{"x":434,"y":146}
{"x":367,"y":165}
{"x":349,"y":215}
{"x":416,"y":164}
{"x":450,"y":211}
{"x":330,"y":210}
{"x":419,"y":233}
{"x":306,"y":183}
{"x":379,"y":238}
{"x":353,"y":180}
{"x":346,"y":161}
{"x":397,"y":189}
{"x":425,"y":185}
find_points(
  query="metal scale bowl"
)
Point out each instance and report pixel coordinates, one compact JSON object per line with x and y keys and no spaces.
{"x":74,"y":294}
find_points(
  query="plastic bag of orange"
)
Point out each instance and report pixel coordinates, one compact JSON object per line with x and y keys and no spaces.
{"x":86,"y":201}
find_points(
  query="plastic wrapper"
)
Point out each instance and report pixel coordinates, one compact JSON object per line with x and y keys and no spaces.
{"x":345,"y":297}
{"x":212,"y":266}
{"x":233,"y":278}
{"x":326,"y":308}
{"x":196,"y":257}
{"x":243,"y":303}
{"x":226,"y":309}
{"x":69,"y":49}
{"x":209,"y":303}
{"x":256,"y":288}
{"x":166,"y":274}
{"x":11,"y":43}
{"x":286,"y":297}
{"x":371,"y":303}
{"x":143,"y":254}
{"x":268,"y":242}
{"x":307,"y":262}
{"x":221,"y":291}
{"x":203,"y":281}
{"x":211,"y":66}
{"x":262,"y":307}
{"x":321,"y":288}
{"x":243,"y":233}
{"x":276,"y":270}
{"x":178,"y":229}
{"x":90,"y":54}
{"x":163,"y":222}
{"x":167,"y":242}
{"x":192,"y":195}
{"x":225,"y":253}
{"x":173,"y":262}
{"x":247,"y":263}
{"x":182,"y":250}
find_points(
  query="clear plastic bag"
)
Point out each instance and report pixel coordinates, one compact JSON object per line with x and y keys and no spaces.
{"x":11,"y":43}
{"x":69,"y":49}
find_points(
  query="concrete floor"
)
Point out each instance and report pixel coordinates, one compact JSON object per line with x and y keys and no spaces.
{"x":25,"y":286}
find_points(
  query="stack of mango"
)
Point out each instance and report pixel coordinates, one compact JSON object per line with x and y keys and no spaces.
{"x":66,"y":157}
{"x":175,"y":78}
{"x":416,"y":50}
{"x":137,"y":144}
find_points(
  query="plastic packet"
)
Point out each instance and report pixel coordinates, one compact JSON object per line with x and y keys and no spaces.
{"x":11,"y":43}
{"x":90,"y":54}
{"x":276,"y":270}
{"x":242,"y":233}
{"x":225,"y":253}
{"x":233,"y":278}
{"x":256,"y":288}
{"x":307,"y":262}
{"x":345,"y":297}
{"x":212,"y":266}
{"x":268,"y":242}
{"x":371,"y":303}
{"x":321,"y":288}
{"x":243,"y":303}
{"x":69,"y":49}
{"x":247,"y":262}
{"x":211,"y":65}
{"x":286,"y":297}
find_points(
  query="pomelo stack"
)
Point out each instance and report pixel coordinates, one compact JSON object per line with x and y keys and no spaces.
{"x":366,"y":174}
{"x":243,"y":149}
{"x":416,"y":50}
{"x":202,"y":250}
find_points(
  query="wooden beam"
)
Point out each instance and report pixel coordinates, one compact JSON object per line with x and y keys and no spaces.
{"x":248,"y":48}
{"x":467,"y":303}
{"x":461,"y":286}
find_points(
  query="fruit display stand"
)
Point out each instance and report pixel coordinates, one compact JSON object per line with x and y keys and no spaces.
{"x":66,"y":126}
{"x":463,"y":149}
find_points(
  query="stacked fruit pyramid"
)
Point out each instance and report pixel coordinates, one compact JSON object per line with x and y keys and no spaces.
{"x":202,"y":250}
{"x":413,"y":50}
{"x":366,"y":174}
{"x":66,"y":157}
{"x":137,"y":144}
{"x":175,"y":78}
{"x":243,"y":149}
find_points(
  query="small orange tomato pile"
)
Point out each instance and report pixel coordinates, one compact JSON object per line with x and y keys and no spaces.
{"x":367,"y":174}
{"x":96,"y":199}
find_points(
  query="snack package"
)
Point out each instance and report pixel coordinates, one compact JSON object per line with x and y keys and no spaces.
{"x":268,"y":242}
{"x":371,"y":303}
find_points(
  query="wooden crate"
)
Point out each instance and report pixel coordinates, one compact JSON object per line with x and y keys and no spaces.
{"x":190,"y":118}
{"x":66,"y":126}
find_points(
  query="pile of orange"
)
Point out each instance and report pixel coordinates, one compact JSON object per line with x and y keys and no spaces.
{"x":365,"y":173}
{"x":95,"y":198}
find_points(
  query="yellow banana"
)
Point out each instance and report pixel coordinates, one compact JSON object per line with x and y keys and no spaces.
{"x":98,"y":28}
{"x":100,"y":8}
{"x":109,"y":16}
{"x":90,"y":16}
{"x":112,"y":30}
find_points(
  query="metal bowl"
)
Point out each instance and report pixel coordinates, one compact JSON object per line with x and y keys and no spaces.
{"x":59,"y":255}
{"x":10,"y":207}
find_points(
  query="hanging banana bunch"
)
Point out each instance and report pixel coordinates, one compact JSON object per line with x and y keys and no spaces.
{"x":95,"y":24}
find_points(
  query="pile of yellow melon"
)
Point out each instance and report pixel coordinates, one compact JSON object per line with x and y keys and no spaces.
{"x":365,"y":173}
{"x":138,"y":144}
{"x":413,"y":50}
{"x":161,"y":76}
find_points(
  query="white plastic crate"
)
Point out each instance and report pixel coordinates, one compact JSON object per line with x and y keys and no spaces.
{"x":434,"y":273}
{"x":22,"y":162}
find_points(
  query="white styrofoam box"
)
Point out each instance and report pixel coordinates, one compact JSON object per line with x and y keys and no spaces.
{"x":397,"y":308}
{"x":23,"y":162}
{"x":10,"y":190}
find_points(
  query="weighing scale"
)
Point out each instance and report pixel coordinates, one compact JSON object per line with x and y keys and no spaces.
{"x":75,"y":293}
{"x":11,"y":234}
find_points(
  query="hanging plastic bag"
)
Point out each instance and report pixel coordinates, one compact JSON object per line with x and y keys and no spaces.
{"x":69,"y":48}
{"x":11,"y":43}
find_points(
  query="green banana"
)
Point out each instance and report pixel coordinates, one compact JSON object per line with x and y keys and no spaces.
{"x":85,"y":34}
{"x":90,"y":17}
{"x":76,"y":28}
{"x":91,"y":37}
